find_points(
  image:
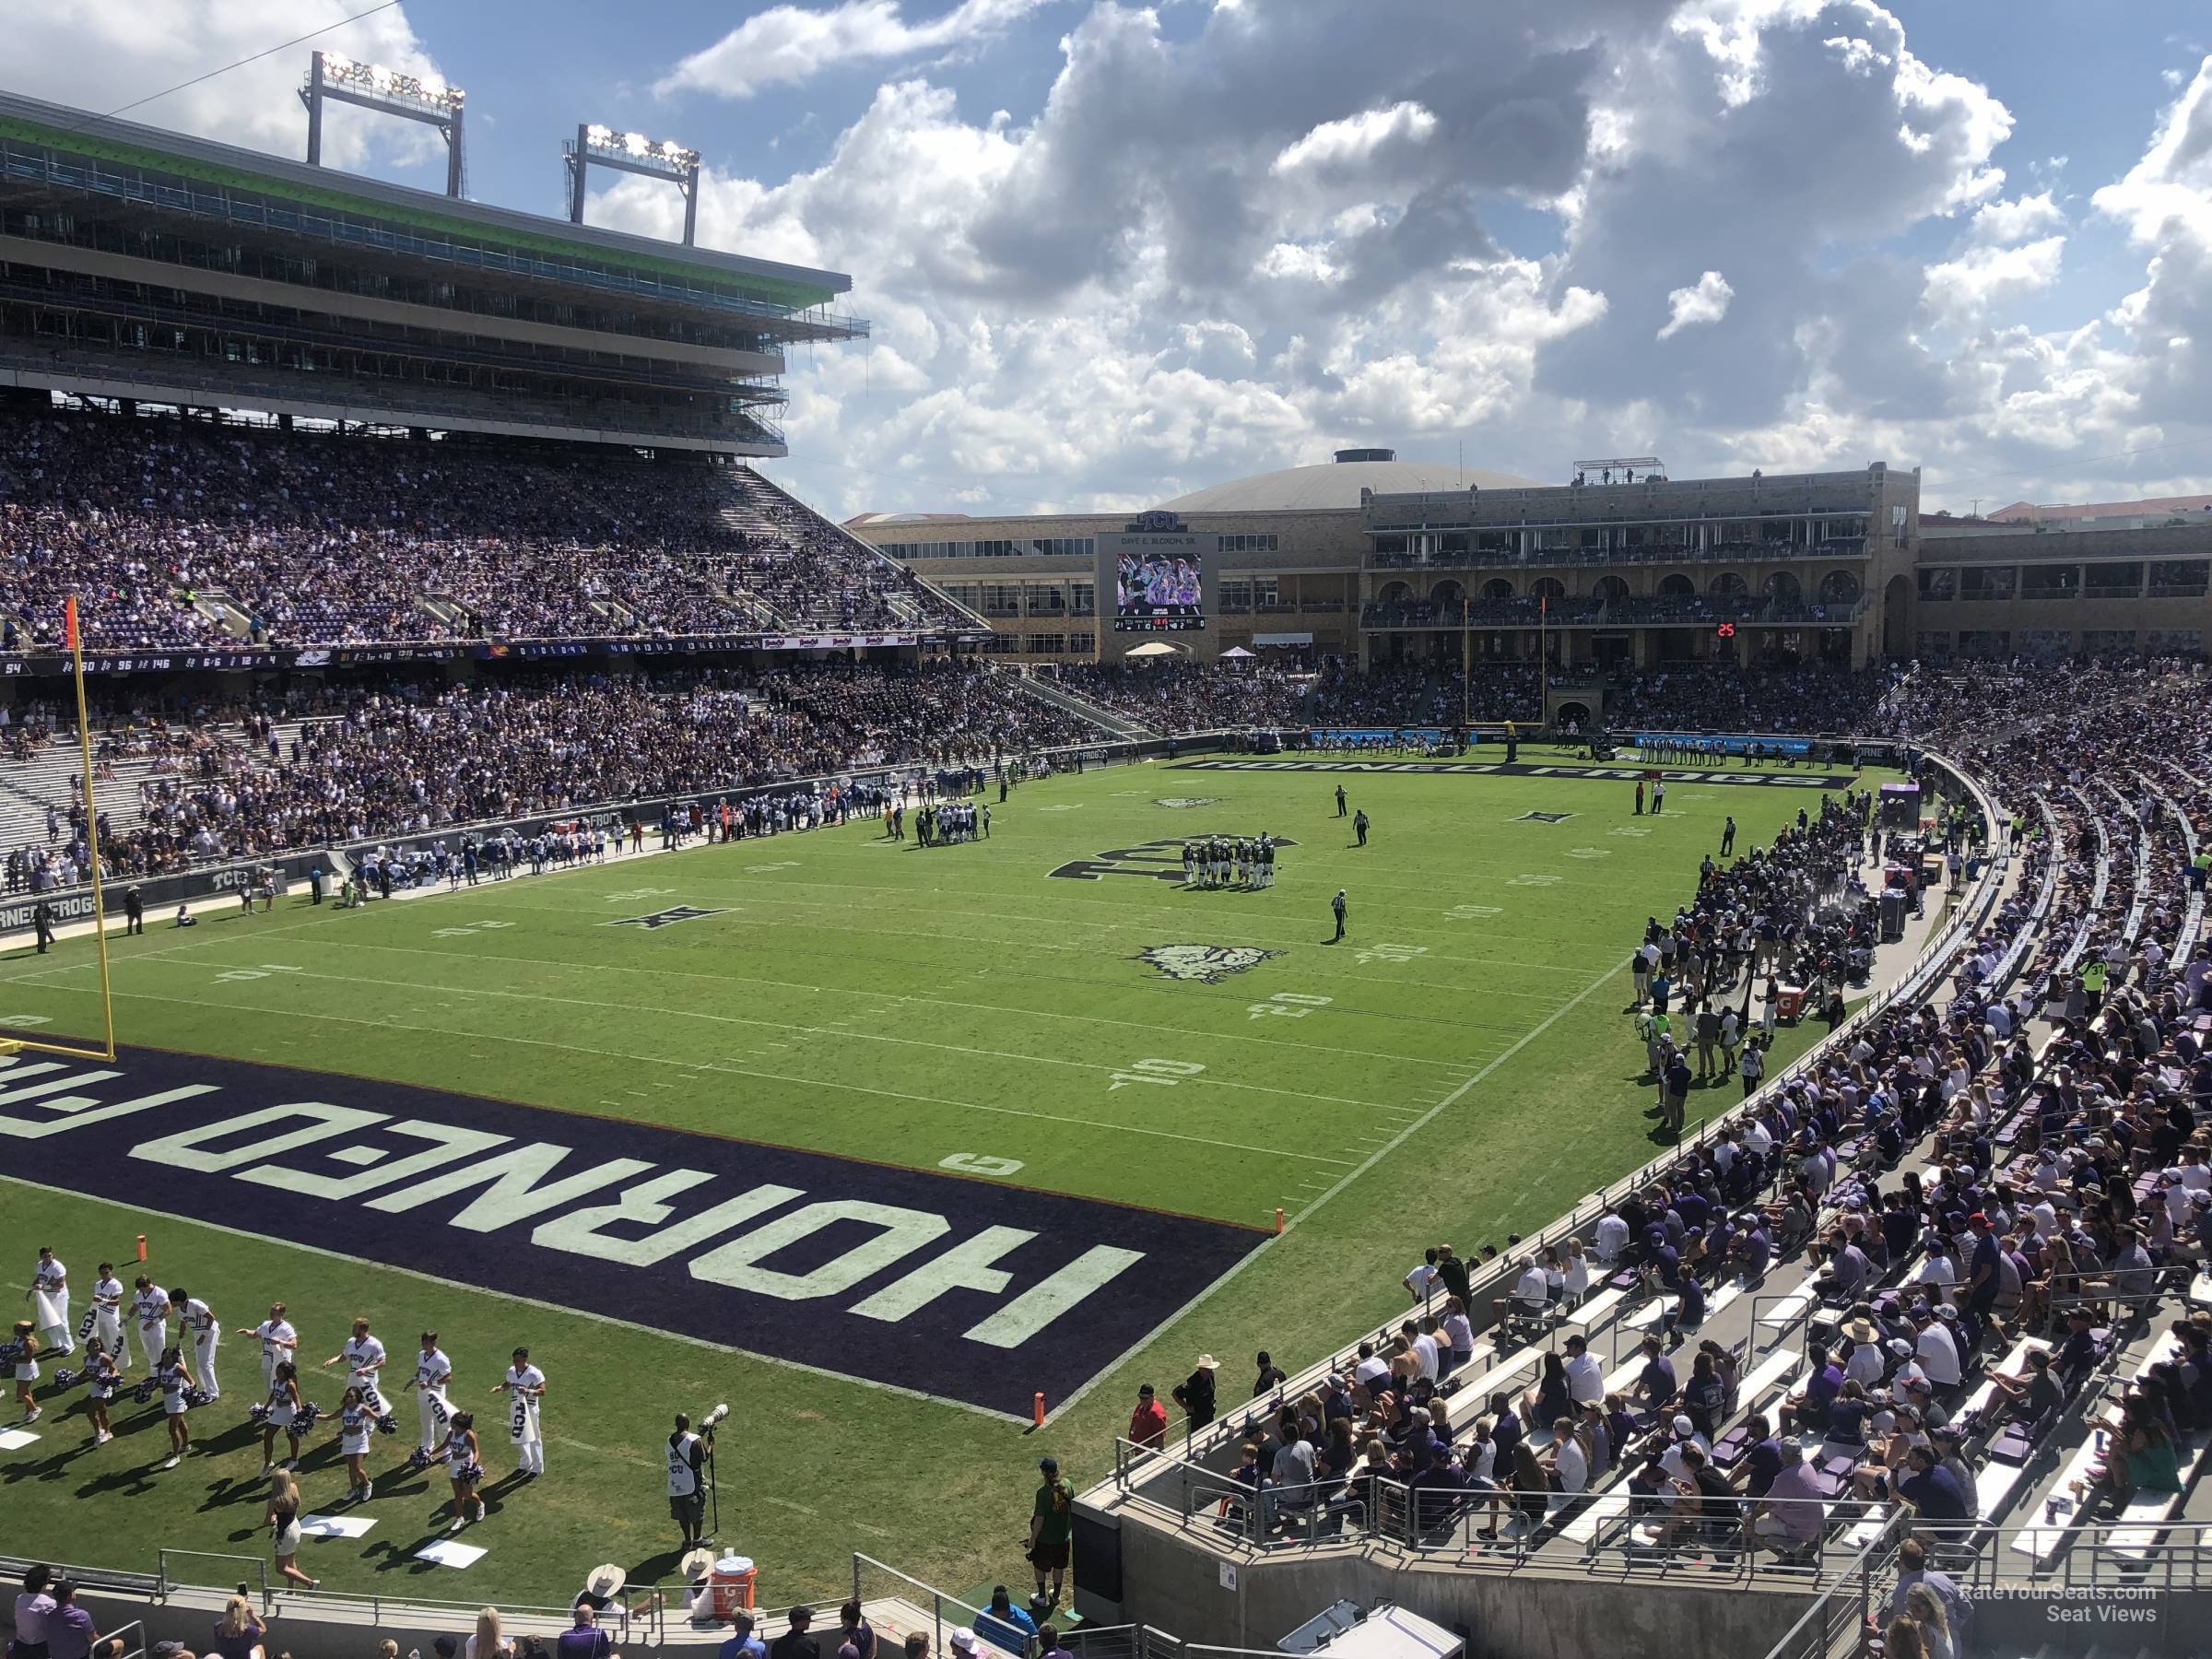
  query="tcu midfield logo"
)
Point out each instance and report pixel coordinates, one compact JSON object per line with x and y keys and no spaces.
{"x":1208,"y":964}
{"x":1162,"y":860}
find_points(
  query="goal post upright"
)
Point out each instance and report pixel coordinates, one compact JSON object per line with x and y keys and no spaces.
{"x":13,"y":1045}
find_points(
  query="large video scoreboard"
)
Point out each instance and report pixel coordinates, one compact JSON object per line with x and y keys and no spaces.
{"x":1161,"y":575}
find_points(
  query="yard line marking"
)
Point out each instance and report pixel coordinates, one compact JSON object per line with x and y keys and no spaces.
{"x":1105,"y":1067}
{"x":739,"y":1071}
{"x":1151,"y":1027}
{"x":1028,"y":942}
{"x":1343,"y":1182}
{"x":530,"y":1301}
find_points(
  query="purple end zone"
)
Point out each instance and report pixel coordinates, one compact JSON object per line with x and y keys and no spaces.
{"x":958,"y":1287}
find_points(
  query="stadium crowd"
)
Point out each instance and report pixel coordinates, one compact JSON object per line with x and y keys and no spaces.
{"x":413,"y":758}
{"x":1987,"y":1198}
{"x":162,"y":525}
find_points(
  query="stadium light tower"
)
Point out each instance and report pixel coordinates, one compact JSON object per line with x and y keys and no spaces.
{"x":631,"y":152}
{"x":373,"y":87}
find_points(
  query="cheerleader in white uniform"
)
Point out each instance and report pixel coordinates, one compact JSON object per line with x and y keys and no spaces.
{"x":355,"y":1421}
{"x":197,"y":1330}
{"x":25,"y":1345}
{"x":433,"y":1371}
{"x":363,"y":1356}
{"x":107,"y":1316}
{"x":149,"y":1313}
{"x":173,"y":1377}
{"x":279,"y":1342}
{"x":463,"y":1468}
{"x":49,"y":1294}
{"x":100,"y":1382}
{"x":284,"y":1413}
{"x":524,"y":1385}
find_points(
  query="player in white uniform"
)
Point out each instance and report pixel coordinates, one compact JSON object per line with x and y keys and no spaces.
{"x":25,"y":1345}
{"x":363,"y":1356}
{"x":433,"y":1371}
{"x":107,"y":1316}
{"x":48,"y":1296}
{"x":280,"y":1343}
{"x":355,"y":1422}
{"x":197,"y":1333}
{"x":524,"y":1386}
{"x":149,"y":1314}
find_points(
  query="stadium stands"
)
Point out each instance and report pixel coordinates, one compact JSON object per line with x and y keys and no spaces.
{"x":1999,"y":1167}
{"x":179,"y":534}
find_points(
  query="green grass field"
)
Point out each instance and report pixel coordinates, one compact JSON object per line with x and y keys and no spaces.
{"x":873,"y":1000}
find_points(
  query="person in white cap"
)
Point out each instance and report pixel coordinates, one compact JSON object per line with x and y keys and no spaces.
{"x":601,"y":1587}
{"x":49,"y":1297}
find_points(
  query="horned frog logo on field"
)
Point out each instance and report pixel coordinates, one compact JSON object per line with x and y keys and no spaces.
{"x":1208,"y":964}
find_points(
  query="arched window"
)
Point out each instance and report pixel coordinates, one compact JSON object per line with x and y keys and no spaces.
{"x":1678,"y":586}
{"x":1496,"y":587}
{"x":1783,"y":586}
{"x":1838,"y":587}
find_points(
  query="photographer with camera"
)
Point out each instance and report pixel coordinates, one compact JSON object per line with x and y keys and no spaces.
{"x":687,"y":1481}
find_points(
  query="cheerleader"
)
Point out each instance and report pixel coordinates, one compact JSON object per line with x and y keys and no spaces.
{"x":363,"y":1356}
{"x":49,"y":1295}
{"x":462,"y":1467}
{"x":284,"y":1413}
{"x":354,"y":1420}
{"x":25,"y":1347}
{"x":524,"y":1386}
{"x":99,"y":1379}
{"x":433,"y":1371}
{"x":149,"y":1313}
{"x":173,"y":1377}
{"x":107,"y":1316}
{"x":198,"y":1325}
{"x":279,"y":1342}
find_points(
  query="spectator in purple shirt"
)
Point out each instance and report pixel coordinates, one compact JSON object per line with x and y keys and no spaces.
{"x":69,"y":1632}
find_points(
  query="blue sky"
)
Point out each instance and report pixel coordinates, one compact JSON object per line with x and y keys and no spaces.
{"x":1113,"y":253}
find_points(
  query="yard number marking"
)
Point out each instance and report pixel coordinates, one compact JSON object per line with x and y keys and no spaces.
{"x":261,"y":973}
{"x":1167,"y":1073}
{"x":1472,"y":913}
{"x":1391,"y":953}
{"x":1536,"y":881}
{"x":1287,"y":1005}
{"x":463,"y":932}
{"x":978,"y":1163}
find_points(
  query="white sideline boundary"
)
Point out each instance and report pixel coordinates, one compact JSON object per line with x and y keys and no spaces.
{"x":1372,"y":1158}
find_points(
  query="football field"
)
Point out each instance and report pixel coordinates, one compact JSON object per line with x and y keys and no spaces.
{"x":874,"y":1142}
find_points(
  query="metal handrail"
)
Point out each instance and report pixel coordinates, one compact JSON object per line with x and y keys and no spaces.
{"x":164,"y":1584}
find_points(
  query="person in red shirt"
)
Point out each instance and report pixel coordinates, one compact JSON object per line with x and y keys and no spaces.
{"x":1149,"y":1422}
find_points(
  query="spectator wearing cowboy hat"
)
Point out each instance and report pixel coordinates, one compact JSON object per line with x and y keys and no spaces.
{"x":1196,"y":1392}
{"x":601,"y":1587}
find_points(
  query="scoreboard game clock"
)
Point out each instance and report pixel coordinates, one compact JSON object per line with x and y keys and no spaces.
{"x":1160,"y":573}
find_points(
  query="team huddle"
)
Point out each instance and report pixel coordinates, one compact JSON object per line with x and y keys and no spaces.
{"x":181,"y":1368}
{"x":1221,"y":861}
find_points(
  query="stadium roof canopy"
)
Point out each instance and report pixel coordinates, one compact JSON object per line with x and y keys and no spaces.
{"x":436,"y":220}
{"x":1336,"y":486}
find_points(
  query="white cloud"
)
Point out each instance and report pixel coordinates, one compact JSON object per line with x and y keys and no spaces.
{"x":1696,"y":307}
{"x":100,"y":57}
{"x":1344,"y":146}
{"x":2017,"y":219}
{"x":787,"y":44}
{"x":1965,"y":288}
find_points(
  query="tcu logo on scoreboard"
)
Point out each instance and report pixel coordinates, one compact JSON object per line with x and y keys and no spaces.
{"x":1157,"y":521}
